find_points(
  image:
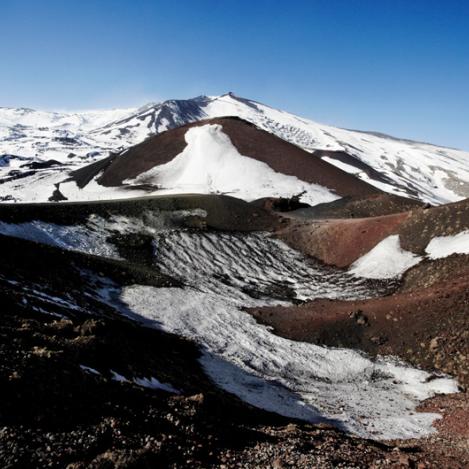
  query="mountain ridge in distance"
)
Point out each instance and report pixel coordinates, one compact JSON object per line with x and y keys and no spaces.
{"x":421,"y":171}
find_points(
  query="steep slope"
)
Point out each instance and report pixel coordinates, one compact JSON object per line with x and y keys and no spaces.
{"x":226,"y":155}
{"x":341,"y":241}
{"x":419,"y":170}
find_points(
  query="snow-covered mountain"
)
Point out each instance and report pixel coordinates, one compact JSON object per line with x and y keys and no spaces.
{"x":418,"y":170}
{"x":54,"y":135}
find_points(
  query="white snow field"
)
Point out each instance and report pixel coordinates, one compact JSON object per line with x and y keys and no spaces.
{"x":210,"y":163}
{"x":428,"y":172}
{"x":386,"y":260}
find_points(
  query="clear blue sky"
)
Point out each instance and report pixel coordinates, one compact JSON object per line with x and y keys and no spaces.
{"x":397,"y":66}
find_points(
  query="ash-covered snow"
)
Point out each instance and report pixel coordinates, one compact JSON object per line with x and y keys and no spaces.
{"x":251,"y":267}
{"x":225,"y":274}
{"x":75,"y":237}
{"x":386,"y":260}
{"x":92,"y":237}
{"x":443,"y":246}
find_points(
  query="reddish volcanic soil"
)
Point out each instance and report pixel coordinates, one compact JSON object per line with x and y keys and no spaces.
{"x":426,"y":327}
{"x":341,"y":241}
{"x":374,"y":205}
{"x":250,"y":141}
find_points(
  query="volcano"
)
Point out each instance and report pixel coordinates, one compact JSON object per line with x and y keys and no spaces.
{"x":215,"y":283}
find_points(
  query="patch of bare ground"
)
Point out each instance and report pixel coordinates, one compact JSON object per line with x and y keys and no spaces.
{"x":374,"y":205}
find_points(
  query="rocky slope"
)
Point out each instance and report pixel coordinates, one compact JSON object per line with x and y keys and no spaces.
{"x":272,"y":305}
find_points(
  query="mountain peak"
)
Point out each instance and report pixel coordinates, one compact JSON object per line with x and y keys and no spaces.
{"x":369,"y":156}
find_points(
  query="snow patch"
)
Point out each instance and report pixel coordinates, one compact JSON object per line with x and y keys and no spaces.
{"x":153,"y":383}
{"x":149,"y":383}
{"x":90,"y":370}
{"x":442,"y":246}
{"x":348,"y":168}
{"x":386,"y":260}
{"x":118,"y":377}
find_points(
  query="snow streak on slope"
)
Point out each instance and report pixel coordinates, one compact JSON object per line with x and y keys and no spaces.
{"x":210,"y":163}
{"x":433,"y":174}
{"x":226,"y":273}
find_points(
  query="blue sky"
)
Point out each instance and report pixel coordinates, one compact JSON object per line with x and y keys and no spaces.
{"x":397,"y":66}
